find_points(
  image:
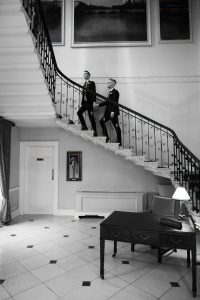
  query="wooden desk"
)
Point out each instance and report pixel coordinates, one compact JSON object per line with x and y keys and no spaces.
{"x":143,"y":228}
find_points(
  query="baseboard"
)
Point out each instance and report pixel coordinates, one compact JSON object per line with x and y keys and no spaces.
{"x":15,"y":214}
{"x":65,"y":212}
{"x":76,"y":214}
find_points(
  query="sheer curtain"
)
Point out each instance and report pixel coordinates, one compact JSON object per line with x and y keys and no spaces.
{"x":5,"y":141}
{"x":1,"y":198}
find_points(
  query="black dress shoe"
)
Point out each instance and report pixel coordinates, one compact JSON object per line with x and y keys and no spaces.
{"x":84,"y":128}
{"x":70,"y":122}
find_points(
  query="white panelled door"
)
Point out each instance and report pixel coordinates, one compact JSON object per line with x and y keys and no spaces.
{"x":39,"y":180}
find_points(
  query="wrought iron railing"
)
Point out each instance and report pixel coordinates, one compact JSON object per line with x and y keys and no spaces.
{"x":144,"y":136}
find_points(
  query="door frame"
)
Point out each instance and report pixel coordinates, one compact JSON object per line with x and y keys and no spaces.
{"x":23,"y":147}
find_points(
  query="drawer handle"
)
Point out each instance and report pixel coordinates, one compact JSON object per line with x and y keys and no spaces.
{"x":144,"y":237}
{"x":116,"y":234}
{"x":175,"y":241}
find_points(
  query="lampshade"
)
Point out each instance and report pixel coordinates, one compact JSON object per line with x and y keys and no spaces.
{"x":181,"y":194}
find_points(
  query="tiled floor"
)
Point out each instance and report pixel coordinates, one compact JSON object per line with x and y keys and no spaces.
{"x":48,"y":257}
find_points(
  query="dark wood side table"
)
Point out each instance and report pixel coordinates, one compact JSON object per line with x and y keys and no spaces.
{"x":143,"y":228}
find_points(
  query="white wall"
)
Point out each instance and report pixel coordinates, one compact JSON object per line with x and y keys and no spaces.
{"x":160,"y":81}
{"x":102,"y":170}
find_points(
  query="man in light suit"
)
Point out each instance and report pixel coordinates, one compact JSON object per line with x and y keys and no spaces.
{"x":111,"y":111}
{"x":88,"y":98}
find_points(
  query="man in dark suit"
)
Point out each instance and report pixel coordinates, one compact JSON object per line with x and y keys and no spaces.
{"x":111,"y":111}
{"x":88,"y":97}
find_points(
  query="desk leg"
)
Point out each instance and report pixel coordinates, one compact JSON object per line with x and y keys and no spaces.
{"x":188,"y":258}
{"x":102,"y":250}
{"x":159,"y":255}
{"x":115,"y":249}
{"x":194,"y":286}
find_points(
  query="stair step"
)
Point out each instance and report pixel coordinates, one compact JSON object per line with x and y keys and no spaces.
{"x":111,"y":146}
{"x":18,"y":58}
{"x":150,"y":165}
{"x":29,"y":114}
{"x":12,"y":31}
{"x":12,"y":104}
{"x":12,"y":19}
{"x":7,"y":88}
{"x":25,"y":99}
{"x":18,"y":50}
{"x":99,"y":139}
{"x":20,"y":67}
{"x":163,"y":169}
{"x":16,"y":40}
{"x":165,"y":175}
{"x":22,"y":93}
{"x":124,"y":152}
{"x":9,"y":2}
{"x":87,"y":132}
{"x":9,"y":7}
{"x":71,"y":126}
{"x":47,"y":108}
{"x":21,"y":75}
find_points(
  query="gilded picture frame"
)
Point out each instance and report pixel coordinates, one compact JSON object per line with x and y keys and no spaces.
{"x":175,"y":21}
{"x":54,"y":13}
{"x":74,"y":166}
{"x":114,"y":23}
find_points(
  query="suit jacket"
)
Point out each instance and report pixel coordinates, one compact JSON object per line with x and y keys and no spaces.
{"x":89,"y":94}
{"x":111,"y":107}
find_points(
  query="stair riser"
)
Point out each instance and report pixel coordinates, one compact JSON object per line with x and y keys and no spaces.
{"x":18,"y":59}
{"x":9,"y":2}
{"x":25,"y":109}
{"x":14,"y":100}
{"x":22,"y":88}
{"x":161,"y":175}
{"x":28,"y":115}
{"x":12,"y":21}
{"x":13,"y":30}
{"x":21,"y":75}
{"x":22,"y":40}
{"x":9,"y":7}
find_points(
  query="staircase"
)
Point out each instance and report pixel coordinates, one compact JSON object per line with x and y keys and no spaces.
{"x":24,"y":94}
{"x":126,"y":153}
{"x":37,"y":88}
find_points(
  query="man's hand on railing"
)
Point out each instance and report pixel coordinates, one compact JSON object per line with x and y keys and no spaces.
{"x":112,"y":114}
{"x":95,"y":104}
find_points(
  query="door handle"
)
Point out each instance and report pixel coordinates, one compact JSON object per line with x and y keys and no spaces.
{"x":52,"y":174}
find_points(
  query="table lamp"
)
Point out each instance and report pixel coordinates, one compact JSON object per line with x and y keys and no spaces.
{"x":182,"y":195}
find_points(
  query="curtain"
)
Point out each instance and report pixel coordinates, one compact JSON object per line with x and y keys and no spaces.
{"x":5,"y":142}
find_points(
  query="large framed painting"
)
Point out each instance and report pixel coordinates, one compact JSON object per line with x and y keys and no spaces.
{"x":103,"y":23}
{"x":174,"y":20}
{"x":54,"y":11}
{"x":74,"y":166}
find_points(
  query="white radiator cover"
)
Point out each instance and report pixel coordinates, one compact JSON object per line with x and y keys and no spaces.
{"x":105,"y":202}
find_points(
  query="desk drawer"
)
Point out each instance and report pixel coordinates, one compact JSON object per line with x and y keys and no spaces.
{"x":175,"y":240}
{"x":145,"y":237}
{"x":115,"y":234}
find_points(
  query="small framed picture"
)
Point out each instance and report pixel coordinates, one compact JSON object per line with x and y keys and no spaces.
{"x":74,"y":166}
{"x":175,"y":21}
{"x":54,"y":16}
